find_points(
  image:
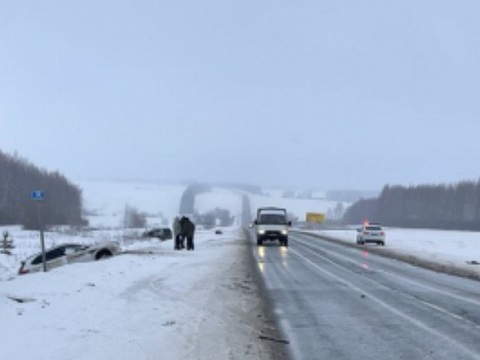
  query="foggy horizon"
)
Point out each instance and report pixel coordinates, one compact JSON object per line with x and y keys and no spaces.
{"x":331,"y":95}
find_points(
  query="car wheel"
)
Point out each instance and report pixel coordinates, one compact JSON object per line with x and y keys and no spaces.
{"x":103,"y":254}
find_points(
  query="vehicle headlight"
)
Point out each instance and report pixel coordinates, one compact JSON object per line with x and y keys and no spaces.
{"x":261,"y":231}
{"x":285,"y":232}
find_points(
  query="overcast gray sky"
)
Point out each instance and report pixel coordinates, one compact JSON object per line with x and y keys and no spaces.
{"x":326,"y":94}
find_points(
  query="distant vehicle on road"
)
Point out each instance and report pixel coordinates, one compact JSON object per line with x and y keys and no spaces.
{"x":371,"y":233}
{"x":272,"y":224}
{"x":160,"y":233}
{"x":67,"y":254}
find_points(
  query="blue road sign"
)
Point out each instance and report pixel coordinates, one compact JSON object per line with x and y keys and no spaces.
{"x":38,"y":195}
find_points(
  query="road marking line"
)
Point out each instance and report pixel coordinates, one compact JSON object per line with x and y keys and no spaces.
{"x":400,"y":314}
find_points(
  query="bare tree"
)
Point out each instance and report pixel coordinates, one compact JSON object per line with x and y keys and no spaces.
{"x":132,"y":218}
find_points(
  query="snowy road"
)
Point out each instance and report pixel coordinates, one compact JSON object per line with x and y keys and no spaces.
{"x":336,"y":302}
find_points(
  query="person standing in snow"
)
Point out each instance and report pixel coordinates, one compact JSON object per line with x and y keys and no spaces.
{"x":177,"y":233}
{"x":189,"y":233}
{"x":184,"y":220}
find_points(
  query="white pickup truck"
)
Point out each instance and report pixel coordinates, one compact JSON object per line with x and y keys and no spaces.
{"x":272,"y":224}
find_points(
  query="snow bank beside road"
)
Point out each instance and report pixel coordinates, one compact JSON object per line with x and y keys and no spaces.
{"x":455,"y":252}
{"x":153,"y":303}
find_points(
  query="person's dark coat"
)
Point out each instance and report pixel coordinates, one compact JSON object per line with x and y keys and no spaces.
{"x":184,"y":225}
{"x":189,"y":228}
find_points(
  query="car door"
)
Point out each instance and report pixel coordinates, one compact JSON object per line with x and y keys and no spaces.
{"x":55,"y":257}
{"x":77,"y":253}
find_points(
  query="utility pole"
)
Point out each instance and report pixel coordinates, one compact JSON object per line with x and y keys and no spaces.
{"x":39,"y":196}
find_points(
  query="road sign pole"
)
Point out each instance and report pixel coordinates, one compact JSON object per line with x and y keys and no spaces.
{"x":39,"y":196}
{"x":42,"y":238}
{"x":44,"y":257}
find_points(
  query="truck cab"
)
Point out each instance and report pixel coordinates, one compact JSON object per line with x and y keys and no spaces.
{"x":272,"y":224}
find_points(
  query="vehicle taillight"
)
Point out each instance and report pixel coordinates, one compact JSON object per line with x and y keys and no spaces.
{"x":23,"y":271}
{"x":382,"y":233}
{"x":367,"y":233}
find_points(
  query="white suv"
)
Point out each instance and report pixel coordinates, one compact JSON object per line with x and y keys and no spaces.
{"x":371,"y":233}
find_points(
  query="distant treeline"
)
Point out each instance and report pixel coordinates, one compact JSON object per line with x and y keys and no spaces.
{"x":455,"y":206}
{"x":217,"y":216}
{"x":18,"y":178}
{"x":187,"y":201}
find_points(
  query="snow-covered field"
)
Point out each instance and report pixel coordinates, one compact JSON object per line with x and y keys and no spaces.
{"x":106,"y":201}
{"x":153,"y":302}
{"x":295,"y":207}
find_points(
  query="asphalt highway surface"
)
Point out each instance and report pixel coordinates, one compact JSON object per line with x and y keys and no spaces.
{"x":335,"y":302}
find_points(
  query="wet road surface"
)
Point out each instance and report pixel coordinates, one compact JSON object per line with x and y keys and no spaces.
{"x":335,"y":302}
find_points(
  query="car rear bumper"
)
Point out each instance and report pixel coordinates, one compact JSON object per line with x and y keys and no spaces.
{"x":372,"y":240}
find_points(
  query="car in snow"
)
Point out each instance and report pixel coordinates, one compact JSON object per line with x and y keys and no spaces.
{"x":371,"y":233}
{"x":67,"y":254}
{"x":163,"y":233}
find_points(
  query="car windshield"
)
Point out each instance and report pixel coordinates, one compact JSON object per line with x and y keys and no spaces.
{"x":276,"y":219}
{"x":373,"y":228}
